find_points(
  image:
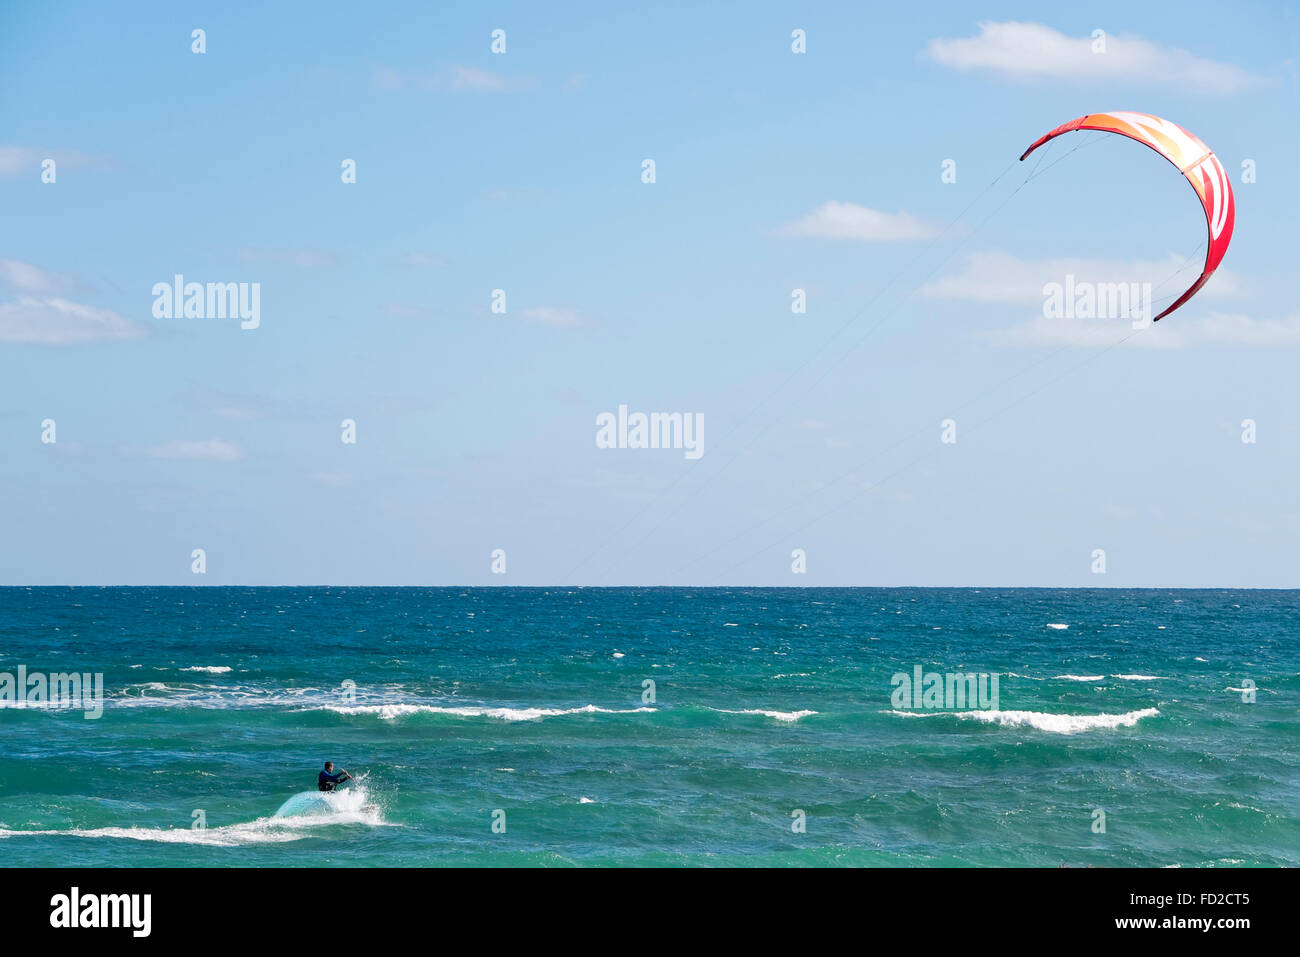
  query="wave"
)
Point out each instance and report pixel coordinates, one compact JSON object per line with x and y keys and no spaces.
{"x":234,"y":835}
{"x":1043,"y":721}
{"x":390,"y":711}
{"x":1012,"y":674}
{"x":1062,"y":723}
{"x":352,"y":806}
{"x":386,"y":706}
{"x":158,"y":694}
{"x":209,"y":669}
{"x":788,"y":716}
{"x":1138,"y":677}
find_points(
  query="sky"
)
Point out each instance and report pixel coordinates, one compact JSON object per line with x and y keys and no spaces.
{"x":1087,"y":453}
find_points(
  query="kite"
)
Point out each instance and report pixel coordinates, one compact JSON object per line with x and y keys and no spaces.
{"x":1194,"y":160}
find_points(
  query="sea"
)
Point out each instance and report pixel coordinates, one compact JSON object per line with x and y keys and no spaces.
{"x":664,"y":727}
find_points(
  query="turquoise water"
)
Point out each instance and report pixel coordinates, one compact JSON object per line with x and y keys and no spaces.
{"x":224,"y":702}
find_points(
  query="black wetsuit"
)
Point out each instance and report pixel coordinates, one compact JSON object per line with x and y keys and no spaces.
{"x":328,"y":782}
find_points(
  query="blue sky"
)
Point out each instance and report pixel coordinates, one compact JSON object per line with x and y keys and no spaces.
{"x":522,"y":171}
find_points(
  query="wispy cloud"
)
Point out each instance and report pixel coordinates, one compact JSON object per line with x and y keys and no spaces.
{"x":477,"y":81}
{"x":43,"y":313}
{"x":16,"y":160}
{"x":385,"y":78}
{"x":57,"y":322}
{"x":1001,"y":277}
{"x":26,"y":278}
{"x":556,"y":316}
{"x":835,"y":220}
{"x":423,"y":260}
{"x":24,"y":160}
{"x":335,"y":479}
{"x":303,"y":257}
{"x":1174,"y":332}
{"x":224,"y":405}
{"x":206,"y":450}
{"x":570,"y":396}
{"x":1035,"y":51}
{"x":452,"y":79}
{"x":404,"y":310}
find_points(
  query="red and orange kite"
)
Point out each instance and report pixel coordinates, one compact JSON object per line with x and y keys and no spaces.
{"x":1194,"y":160}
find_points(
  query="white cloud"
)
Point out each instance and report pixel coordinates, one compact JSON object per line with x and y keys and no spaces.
{"x":207,"y":450}
{"x":1033,"y":50}
{"x":60,"y":322}
{"x":835,"y":220}
{"x":1172,"y":332}
{"x":995,"y":276}
{"x":42,"y":315}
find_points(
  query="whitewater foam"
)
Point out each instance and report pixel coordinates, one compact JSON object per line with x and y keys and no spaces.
{"x":787,"y":716}
{"x":1061,"y":723}
{"x":1138,"y":677}
{"x":159,"y":695}
{"x":1043,"y":721}
{"x":351,"y":806}
{"x":390,"y":711}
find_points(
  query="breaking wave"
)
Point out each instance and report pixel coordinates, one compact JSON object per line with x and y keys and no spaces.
{"x":1043,"y":721}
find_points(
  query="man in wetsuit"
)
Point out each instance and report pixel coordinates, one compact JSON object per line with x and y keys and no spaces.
{"x":327,"y":780}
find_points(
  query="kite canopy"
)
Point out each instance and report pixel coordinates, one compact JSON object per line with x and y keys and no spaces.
{"x":1193,"y":159}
